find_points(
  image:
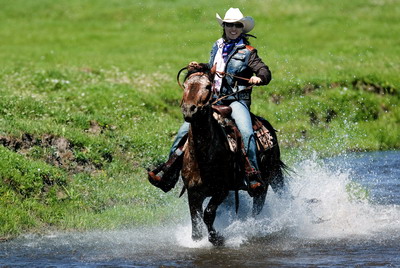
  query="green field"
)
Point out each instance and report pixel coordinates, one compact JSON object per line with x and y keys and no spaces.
{"x":89,"y":97}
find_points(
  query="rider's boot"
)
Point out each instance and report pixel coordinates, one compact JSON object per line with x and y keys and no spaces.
{"x":253,"y":180}
{"x":255,"y":183}
{"x":166,"y":175}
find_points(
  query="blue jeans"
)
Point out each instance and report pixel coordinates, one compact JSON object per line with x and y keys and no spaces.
{"x":241,"y":115}
{"x":181,"y":132}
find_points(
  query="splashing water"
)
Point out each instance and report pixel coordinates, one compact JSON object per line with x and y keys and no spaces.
{"x":320,"y":220}
{"x":318,"y":204}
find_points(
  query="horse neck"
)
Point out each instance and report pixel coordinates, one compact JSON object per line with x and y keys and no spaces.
{"x":203,"y":132}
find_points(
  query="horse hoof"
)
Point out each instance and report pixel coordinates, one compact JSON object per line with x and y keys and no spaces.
{"x":216,"y":239}
{"x":197,"y":237}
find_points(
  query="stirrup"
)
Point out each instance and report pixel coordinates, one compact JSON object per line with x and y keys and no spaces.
{"x":256,"y":185}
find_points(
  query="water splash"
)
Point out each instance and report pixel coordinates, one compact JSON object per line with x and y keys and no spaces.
{"x":318,"y":204}
{"x":323,"y":206}
{"x":318,"y":210}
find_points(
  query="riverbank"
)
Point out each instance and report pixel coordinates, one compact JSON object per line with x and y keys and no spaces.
{"x":89,"y":97}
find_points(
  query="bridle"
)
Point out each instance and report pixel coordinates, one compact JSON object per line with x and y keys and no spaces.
{"x":198,"y":73}
{"x":220,"y":74}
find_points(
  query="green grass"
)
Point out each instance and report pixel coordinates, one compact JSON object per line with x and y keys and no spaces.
{"x":102,"y":75}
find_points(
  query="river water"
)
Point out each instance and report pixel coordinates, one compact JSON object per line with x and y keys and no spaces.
{"x":338,"y":212}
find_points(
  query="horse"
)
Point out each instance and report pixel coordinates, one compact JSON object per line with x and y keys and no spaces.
{"x":210,"y":168}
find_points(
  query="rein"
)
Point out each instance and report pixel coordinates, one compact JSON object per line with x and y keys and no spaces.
{"x":220,"y":74}
{"x":177,"y":77}
{"x":226,"y":96}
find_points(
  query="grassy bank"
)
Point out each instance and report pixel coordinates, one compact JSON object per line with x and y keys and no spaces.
{"x":89,"y":97}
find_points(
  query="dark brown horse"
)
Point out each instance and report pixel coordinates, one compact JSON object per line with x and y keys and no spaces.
{"x":210,"y":168}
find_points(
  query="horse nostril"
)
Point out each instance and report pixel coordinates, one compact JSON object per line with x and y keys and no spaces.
{"x":192,"y":108}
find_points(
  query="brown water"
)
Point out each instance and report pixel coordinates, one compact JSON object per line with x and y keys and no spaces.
{"x":319,"y":223}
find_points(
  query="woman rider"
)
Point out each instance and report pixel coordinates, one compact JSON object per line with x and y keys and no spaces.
{"x":233,"y":54}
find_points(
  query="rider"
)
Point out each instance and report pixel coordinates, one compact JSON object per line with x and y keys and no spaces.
{"x":232,"y":54}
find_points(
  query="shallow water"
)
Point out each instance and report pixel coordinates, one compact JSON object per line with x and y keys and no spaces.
{"x":320,"y":222}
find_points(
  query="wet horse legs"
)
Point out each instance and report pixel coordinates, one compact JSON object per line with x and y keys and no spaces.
{"x":209,"y":218}
{"x":196,"y":212}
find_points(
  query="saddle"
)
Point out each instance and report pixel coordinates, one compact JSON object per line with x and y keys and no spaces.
{"x":264,"y":139}
{"x":166,"y":175}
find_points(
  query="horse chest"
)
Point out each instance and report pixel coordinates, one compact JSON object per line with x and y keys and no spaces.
{"x":206,"y":168}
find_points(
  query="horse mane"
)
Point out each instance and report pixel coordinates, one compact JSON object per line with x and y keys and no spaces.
{"x":198,"y":68}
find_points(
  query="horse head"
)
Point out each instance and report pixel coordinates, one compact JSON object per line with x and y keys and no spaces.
{"x":197,"y":91}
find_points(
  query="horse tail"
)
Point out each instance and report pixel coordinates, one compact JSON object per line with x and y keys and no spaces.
{"x":277,"y":181}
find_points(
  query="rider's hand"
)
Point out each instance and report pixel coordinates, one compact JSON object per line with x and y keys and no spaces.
{"x":193,"y":63}
{"x":255,"y":80}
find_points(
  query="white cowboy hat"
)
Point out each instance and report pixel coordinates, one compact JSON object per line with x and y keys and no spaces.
{"x":234,"y":15}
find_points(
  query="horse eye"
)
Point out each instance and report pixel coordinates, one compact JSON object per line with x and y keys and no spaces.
{"x":208,"y":87}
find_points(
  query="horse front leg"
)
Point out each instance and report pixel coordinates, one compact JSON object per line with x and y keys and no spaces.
{"x":209,"y":218}
{"x":196,"y":210}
